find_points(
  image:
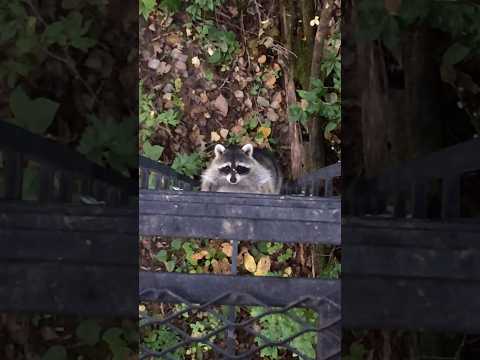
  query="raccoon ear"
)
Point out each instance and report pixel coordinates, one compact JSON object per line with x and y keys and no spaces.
{"x":219,"y":150}
{"x":248,"y":149}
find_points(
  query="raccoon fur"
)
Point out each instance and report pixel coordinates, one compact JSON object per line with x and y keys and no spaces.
{"x":242,"y":170}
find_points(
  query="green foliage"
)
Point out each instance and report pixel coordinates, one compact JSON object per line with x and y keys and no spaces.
{"x":23,"y":36}
{"x":117,"y":340}
{"x":112,"y":143}
{"x":357,"y":352}
{"x":161,"y":338}
{"x":278,"y":327}
{"x":221,"y":46}
{"x":197,"y":8}
{"x":35,"y":115}
{"x":88,"y":332}
{"x":323,"y":100}
{"x":56,"y":352}
{"x":146,"y":7}
{"x":188,"y":164}
{"x":459,"y":19}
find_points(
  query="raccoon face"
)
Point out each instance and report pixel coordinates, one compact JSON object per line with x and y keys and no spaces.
{"x":234,"y":164}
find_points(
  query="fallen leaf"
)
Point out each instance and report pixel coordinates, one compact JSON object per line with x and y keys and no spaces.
{"x":265,"y":131}
{"x":153,"y":64}
{"x":262,"y":101}
{"x":196,"y":61}
{"x":239,"y":94}
{"x":200,"y":255}
{"x":221,"y":105}
{"x":221,"y":267}
{"x":272,"y":115}
{"x":287,"y":272}
{"x":269,"y":80}
{"x":214,"y":136}
{"x":224,"y":133}
{"x":173,"y":39}
{"x":249,"y":263}
{"x":262,"y":59}
{"x":203,"y":98}
{"x":263,"y":266}
{"x":227,"y":249}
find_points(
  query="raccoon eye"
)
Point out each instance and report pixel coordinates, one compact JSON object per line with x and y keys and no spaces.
{"x":225,"y":169}
{"x":242,"y":170}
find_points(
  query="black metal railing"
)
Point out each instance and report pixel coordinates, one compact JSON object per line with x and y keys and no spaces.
{"x":236,"y":217}
{"x":59,"y":255}
{"x":62,"y":172}
{"x":409,"y":256}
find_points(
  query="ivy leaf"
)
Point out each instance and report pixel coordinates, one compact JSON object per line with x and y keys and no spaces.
{"x":152,"y":151}
{"x":56,"y":352}
{"x":34,"y":115}
{"x":88,"y":332}
{"x":455,"y":53}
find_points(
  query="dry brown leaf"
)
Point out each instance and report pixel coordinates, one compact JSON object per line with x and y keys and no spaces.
{"x":221,"y":267}
{"x":249,"y":263}
{"x":270,"y":80}
{"x":263,"y":266}
{"x":262,"y":59}
{"x":214,"y":136}
{"x":224,"y":133}
{"x":227,"y":249}
{"x":221,"y":105}
{"x":200,"y":255}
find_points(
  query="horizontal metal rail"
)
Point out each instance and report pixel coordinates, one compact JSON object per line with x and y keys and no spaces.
{"x":240,"y":217}
{"x":411,"y":274}
{"x":69,"y":259}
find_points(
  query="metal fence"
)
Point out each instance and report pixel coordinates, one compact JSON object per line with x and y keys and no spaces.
{"x":60,"y":255}
{"x":410,"y":250}
{"x":229,"y":299}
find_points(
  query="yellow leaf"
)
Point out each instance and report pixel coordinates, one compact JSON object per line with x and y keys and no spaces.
{"x":214,"y":136}
{"x":265,"y":131}
{"x":199,"y":255}
{"x":227,"y":249}
{"x":287,"y":272}
{"x":249,"y":263}
{"x":263,"y":266}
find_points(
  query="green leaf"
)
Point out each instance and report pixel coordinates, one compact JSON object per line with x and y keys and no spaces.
{"x":161,"y":256}
{"x":152,"y":151}
{"x":56,"y":352}
{"x":88,"y":332}
{"x":177,"y":244}
{"x":34,"y":115}
{"x":455,"y":53}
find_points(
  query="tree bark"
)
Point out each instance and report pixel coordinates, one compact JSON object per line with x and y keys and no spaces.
{"x":315,"y":147}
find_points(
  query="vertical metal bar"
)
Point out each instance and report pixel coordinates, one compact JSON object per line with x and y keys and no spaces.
{"x":230,"y":331}
{"x":65,"y":189}
{"x":46,"y":184}
{"x":451,"y":197}
{"x":329,"y":187}
{"x":13,"y":167}
{"x":419,"y":200}
{"x":144,"y":174}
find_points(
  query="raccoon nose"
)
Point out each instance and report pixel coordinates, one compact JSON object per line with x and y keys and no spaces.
{"x":233,"y":179}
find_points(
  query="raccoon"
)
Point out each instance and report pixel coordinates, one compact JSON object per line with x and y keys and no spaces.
{"x":242,"y":170}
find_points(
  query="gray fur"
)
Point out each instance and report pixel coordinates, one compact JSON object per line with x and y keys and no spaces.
{"x":264,"y":176}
